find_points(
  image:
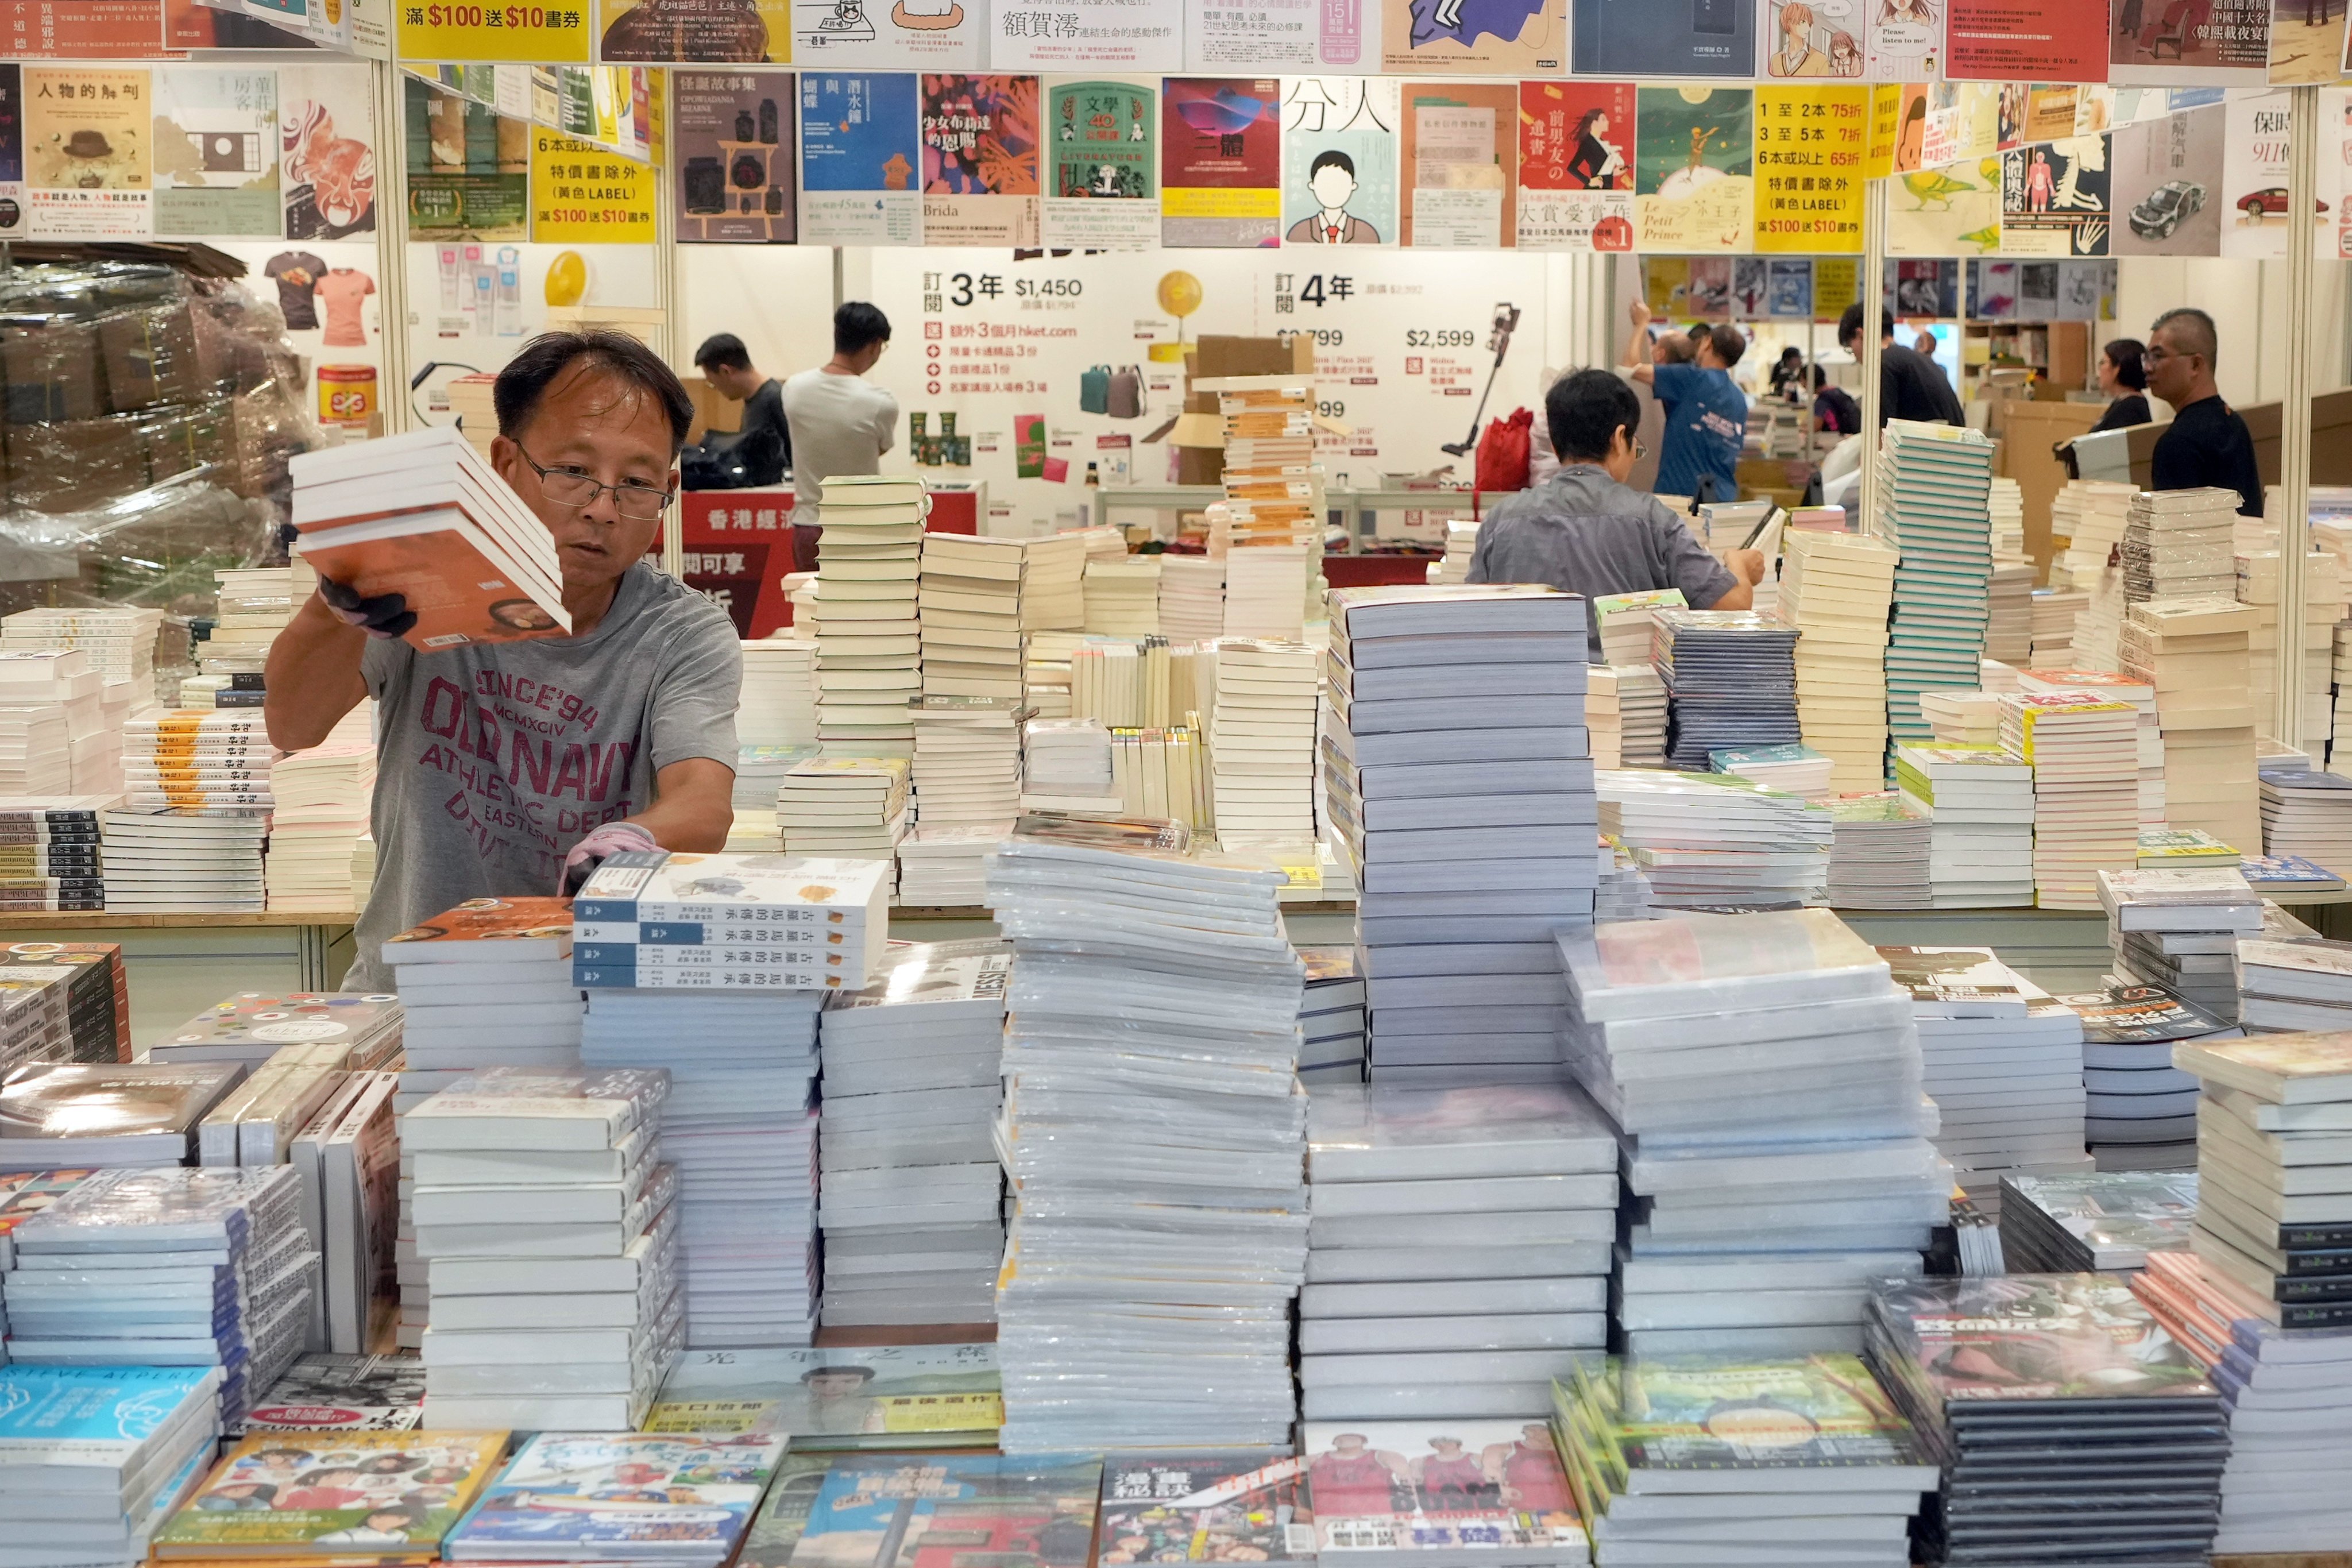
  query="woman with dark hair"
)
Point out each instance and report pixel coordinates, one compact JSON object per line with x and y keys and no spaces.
{"x":2124,"y":379}
{"x":1597,"y":164}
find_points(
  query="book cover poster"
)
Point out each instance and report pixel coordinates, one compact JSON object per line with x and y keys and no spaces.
{"x":1903,"y":39}
{"x":980,"y":160}
{"x":1461,"y":159}
{"x":873,"y":34}
{"x":2026,"y":40}
{"x":326,"y":134}
{"x":216,"y":153}
{"x":734,"y":142}
{"x":1665,"y":285}
{"x":2307,"y":41}
{"x":1576,"y":165}
{"x":2053,"y":198}
{"x":1198,"y":1506}
{"x":1270,"y":34}
{"x":1086,"y":35}
{"x":1836,"y":285}
{"x":469,"y":167}
{"x":907,"y":1510}
{"x":2049,"y":114}
{"x":1339,"y":140}
{"x":697,"y":32}
{"x":2254,"y":175}
{"x":1221,"y":162}
{"x":2165,"y":185}
{"x":1449,"y":1487}
{"x":1789,"y":289}
{"x":1694,"y":168}
{"x":861,"y":157}
{"x":12,"y":150}
{"x":1102,"y":163}
{"x":1707,"y":295}
{"x":1641,"y":37}
{"x":89,"y":167}
{"x":1813,"y":41}
{"x":2160,"y":43}
{"x":1810,"y":143}
{"x":1475,"y":38}
{"x":1923,"y":288}
{"x":1963,"y":122}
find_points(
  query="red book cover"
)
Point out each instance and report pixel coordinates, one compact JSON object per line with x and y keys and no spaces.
{"x":2026,"y":40}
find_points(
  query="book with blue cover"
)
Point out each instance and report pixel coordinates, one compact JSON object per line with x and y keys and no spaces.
{"x":67,"y":1418}
{"x":904,"y":1510}
{"x":639,"y":1497}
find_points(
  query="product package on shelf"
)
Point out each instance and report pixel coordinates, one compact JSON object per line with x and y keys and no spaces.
{"x":870,"y":656}
{"x":2139,"y":1111}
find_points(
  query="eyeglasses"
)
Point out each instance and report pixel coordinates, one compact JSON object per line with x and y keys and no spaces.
{"x":632,"y":499}
{"x":1641,"y":450}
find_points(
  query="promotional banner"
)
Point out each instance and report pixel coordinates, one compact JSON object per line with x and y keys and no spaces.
{"x":737,"y":172}
{"x":216,"y":153}
{"x":1461,"y":146}
{"x":1086,"y":35}
{"x":1475,"y":38}
{"x":2254,"y":175}
{"x":1810,"y":142}
{"x":861,"y":159}
{"x":469,"y":167}
{"x":326,"y":150}
{"x":1643,"y":37}
{"x":1576,"y":165}
{"x":488,"y":30}
{"x":2026,"y":40}
{"x":2053,"y":198}
{"x":1221,"y":161}
{"x":90,"y":169}
{"x":2221,"y":43}
{"x":655,"y":32}
{"x":1694,"y":168}
{"x":926,"y":35}
{"x":581,"y":194}
{"x":80,"y":30}
{"x":2165,"y":186}
{"x":980,"y":160}
{"x":1340,"y":150}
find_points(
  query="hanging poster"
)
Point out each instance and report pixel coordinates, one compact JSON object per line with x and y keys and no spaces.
{"x":1102,"y":163}
{"x":2049,"y":114}
{"x":1899,"y":130}
{"x":1903,"y":39}
{"x":2307,"y":42}
{"x":88,"y":170}
{"x":1475,"y":37}
{"x":2025,"y":40}
{"x":2086,"y":292}
{"x":694,"y":32}
{"x":1836,"y":285}
{"x":1929,"y":287}
{"x":326,"y":135}
{"x":12,"y":150}
{"x":2053,"y":198}
{"x":1221,"y":161}
{"x":733,"y":141}
{"x":1810,"y":142}
{"x":216,"y":153}
{"x":1750,"y":282}
{"x":1810,"y":40}
{"x":1461,"y":151}
{"x":2253,"y":177}
{"x":469,"y":167}
{"x":1086,"y":35}
{"x":1339,"y":160}
{"x":1708,"y":294}
{"x":581,"y":194}
{"x":1692,"y":168}
{"x":1266,"y":35}
{"x":1953,"y":209}
{"x":1963,"y":122}
{"x":980,"y":160}
{"x":861,"y":159}
{"x":1992,"y":290}
{"x":464,"y":30}
{"x":2165,"y":185}
{"x":80,"y":30}
{"x":2157,"y":43}
{"x":868,"y":34}
{"x":1789,"y":289}
{"x":1641,"y":37}
{"x":1576,"y":165}
{"x":1665,"y":285}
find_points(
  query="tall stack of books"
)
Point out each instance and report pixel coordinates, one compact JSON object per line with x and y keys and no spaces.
{"x":2180,"y":544}
{"x":971,"y":601}
{"x":967,"y":760}
{"x":1936,"y":483}
{"x":2054,"y":612}
{"x":2088,"y":515}
{"x":1265,"y":590}
{"x":1331,"y":1017}
{"x":2140,"y":1112}
{"x":1123,"y":596}
{"x":2009,"y":632}
{"x":779,"y":702}
{"x":1623,"y":622}
{"x":1160,"y":1174}
{"x":84,"y":981}
{"x":2323,"y":599}
{"x":323,"y":800}
{"x":1731,"y":682}
{"x":165,"y":859}
{"x":1705,"y":841}
{"x":2084,"y":755}
{"x":118,"y":641}
{"x":839,"y":804}
{"x":1835,"y":589}
{"x":1461,"y":543}
{"x":1274,"y":487}
{"x":2147,"y":732}
{"x":54,"y":718}
{"x":254,"y":604}
{"x":914,"y":1227}
{"x":2180,"y":929}
{"x":1053,"y":582}
{"x":2104,"y":1221}
{"x":2192,"y":653}
{"x":1262,"y":744}
{"x":1458,"y":1260}
{"x":1459,"y":784}
{"x":1764,"y":1073}
{"x":1981,"y":801}
{"x":541,"y":1224}
{"x":2308,"y":815}
{"x":2294,"y":985}
{"x":197,"y":759}
{"x":869,"y":649}
{"x":51,"y":852}
{"x":1191,"y":597}
{"x":1625,"y":707}
{"x":95,"y":1460}
{"x":1879,"y":853}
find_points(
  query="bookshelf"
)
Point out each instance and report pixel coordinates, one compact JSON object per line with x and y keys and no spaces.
{"x":2058,"y":352}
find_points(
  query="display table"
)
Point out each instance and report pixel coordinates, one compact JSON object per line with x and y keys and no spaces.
{"x":181,"y":962}
{"x":1361,"y":508}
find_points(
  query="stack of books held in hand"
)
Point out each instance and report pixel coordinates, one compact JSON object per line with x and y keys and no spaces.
{"x":1979,"y":800}
{"x":2139,"y":1111}
{"x":1706,"y":840}
{"x":869,"y":650}
{"x":424,"y":516}
{"x":2180,"y":929}
{"x":95,"y":1460}
{"x":2104,"y":1221}
{"x":1731,"y":681}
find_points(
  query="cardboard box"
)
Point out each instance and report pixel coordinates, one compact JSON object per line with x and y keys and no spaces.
{"x":151,"y":357}
{"x":76,"y":464}
{"x":184,"y":439}
{"x":51,"y":373}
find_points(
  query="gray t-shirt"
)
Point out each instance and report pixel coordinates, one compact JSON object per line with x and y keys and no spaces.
{"x":1583,"y":532}
{"x":841,"y":424}
{"x":494,"y":759}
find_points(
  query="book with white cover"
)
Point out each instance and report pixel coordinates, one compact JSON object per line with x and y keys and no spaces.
{"x":1358,"y":1133}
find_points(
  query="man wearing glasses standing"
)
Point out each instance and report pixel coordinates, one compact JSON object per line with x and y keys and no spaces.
{"x":2207,"y":444}
{"x":509,"y":768}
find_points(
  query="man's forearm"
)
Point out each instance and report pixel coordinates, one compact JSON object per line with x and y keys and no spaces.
{"x":313,"y":678}
{"x":694,"y":806}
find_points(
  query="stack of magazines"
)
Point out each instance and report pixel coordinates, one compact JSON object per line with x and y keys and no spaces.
{"x":2103,"y":1221}
{"x":93,"y":1460}
{"x":2180,"y":929}
{"x":1731,"y":682}
{"x":629,"y":1497}
{"x":1714,"y":840}
{"x":2139,"y":1111}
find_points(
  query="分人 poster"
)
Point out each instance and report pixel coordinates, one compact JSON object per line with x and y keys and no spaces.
{"x":2053,"y":198}
{"x":980,"y":160}
{"x":1221,"y":161}
{"x":733,"y":138}
{"x":1905,"y":39}
{"x":2165,"y":185}
{"x":1461,"y":145}
{"x":1102,"y":163}
{"x":1813,"y":40}
{"x":874,"y":35}
{"x":861,"y":157}
{"x":1086,"y":35}
{"x":326,"y":153}
{"x":1644,"y":38}
{"x":2307,"y":42}
{"x":469,"y":167}
{"x":1810,"y":142}
{"x":695,"y":32}
{"x":1693,"y":168}
{"x":1576,"y":165}
{"x":1340,"y":151}
{"x":2223,"y":43}
{"x":1952,"y":209}
{"x":2025,"y":40}
{"x":88,"y":172}
{"x":216,"y":153}
{"x":1474,"y":37}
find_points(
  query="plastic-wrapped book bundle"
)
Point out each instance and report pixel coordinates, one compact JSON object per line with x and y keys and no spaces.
{"x":1705,"y":841}
{"x":1764,"y":1073}
{"x":94,"y":1460}
{"x":1155,"y":1132}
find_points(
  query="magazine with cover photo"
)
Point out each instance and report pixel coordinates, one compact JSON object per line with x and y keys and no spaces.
{"x":390,"y":1496}
{"x":2072,"y":1337}
{"x":1237,"y":1506}
{"x":1663,"y":1415}
{"x":639,"y":1495}
{"x":343,"y":1393}
{"x":871,"y":1396}
{"x":884,"y":1510}
{"x":1438,"y":1487}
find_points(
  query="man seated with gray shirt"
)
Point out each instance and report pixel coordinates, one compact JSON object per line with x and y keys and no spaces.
{"x":1584,"y":531}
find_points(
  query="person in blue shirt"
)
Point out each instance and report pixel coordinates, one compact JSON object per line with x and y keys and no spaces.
{"x":1706,"y":414}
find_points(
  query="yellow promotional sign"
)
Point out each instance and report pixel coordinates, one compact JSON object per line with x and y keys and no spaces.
{"x":1810,"y":147}
{"x":468,"y":30}
{"x":1834,"y":286}
{"x":582,"y":195}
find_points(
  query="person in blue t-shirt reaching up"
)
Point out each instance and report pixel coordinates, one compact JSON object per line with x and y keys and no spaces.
{"x":1706,"y":414}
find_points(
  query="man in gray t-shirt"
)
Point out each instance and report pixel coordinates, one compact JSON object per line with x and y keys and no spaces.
{"x":509,"y":768}
{"x":1585,"y":532}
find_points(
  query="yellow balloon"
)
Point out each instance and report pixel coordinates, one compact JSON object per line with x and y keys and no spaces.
{"x":567,"y":278}
{"x":1179,"y":294}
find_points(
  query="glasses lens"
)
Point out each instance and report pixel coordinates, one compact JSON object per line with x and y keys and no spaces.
{"x":639,"y":503}
{"x":568,"y":488}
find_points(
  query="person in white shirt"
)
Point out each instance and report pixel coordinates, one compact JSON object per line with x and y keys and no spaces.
{"x":841,"y":423}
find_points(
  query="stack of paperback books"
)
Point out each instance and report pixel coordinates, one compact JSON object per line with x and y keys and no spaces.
{"x":1626,"y":708}
{"x":1066,"y":766}
{"x":1265,"y":590}
{"x":1935,"y":482}
{"x":869,"y":649}
{"x":2086,"y":789}
{"x":2008,"y":634}
{"x":2139,"y":1111}
{"x":2180,"y":544}
{"x":118,"y":641}
{"x":164,"y":855}
{"x":913,"y":1218}
{"x":2294,"y":985}
{"x":2054,"y":612}
{"x":539,"y":1204}
{"x":371,"y":1497}
{"x":1262,"y":744}
{"x":1331,"y":1017}
{"x":2089,"y":514}
{"x":2003,"y":1063}
{"x":1461,"y":544}
{"x":1459,"y":1255}
{"x":94,"y":1460}
{"x":1967,"y":718}
{"x":1459,"y":785}
{"x":1731,"y":682}
{"x":193,"y":760}
{"x":323,"y":800}
{"x":1154,"y":1131}
{"x":2107,"y":1221}
{"x":218,"y":1260}
{"x":2044,"y":1396}
{"x":1052,"y":583}
{"x":1835,"y":589}
{"x":1621,"y":635}
{"x":2323,"y":606}
{"x":254,"y":604}
{"x":778,"y":703}
{"x":1708,"y":840}
{"x":1765,"y":1074}
{"x":50,"y":852}
{"x":685,"y":1501}
{"x":839,"y":804}
{"x":971,"y":603}
{"x":947,"y":867}
{"x":967,"y":760}
{"x":2193,"y":653}
{"x":1879,"y":853}
{"x":1123,"y":596}
{"x":2180,"y":929}
{"x":52,"y":718}
{"x":1397,"y":1491}
{"x":2148,"y":734}
{"x":2308,"y":815}
{"x":1191,"y":597}
{"x":85,"y":994}
{"x":1980,"y":802}
{"x":486,"y":984}
{"x":1662,"y":1480}
{"x":59,"y":1114}
{"x":1797,"y":769}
